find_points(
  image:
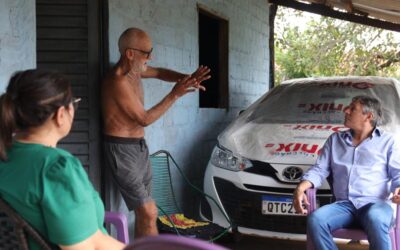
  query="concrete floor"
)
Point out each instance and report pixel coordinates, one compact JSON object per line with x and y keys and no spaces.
{"x":258,"y":243}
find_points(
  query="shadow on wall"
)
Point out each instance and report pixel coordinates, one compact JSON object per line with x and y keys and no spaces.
{"x":194,"y":164}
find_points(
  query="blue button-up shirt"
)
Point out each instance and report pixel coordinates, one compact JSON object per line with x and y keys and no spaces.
{"x":362,"y":174}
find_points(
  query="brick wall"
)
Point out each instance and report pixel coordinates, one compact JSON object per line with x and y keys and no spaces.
{"x":187,"y":131}
{"x":17,"y":38}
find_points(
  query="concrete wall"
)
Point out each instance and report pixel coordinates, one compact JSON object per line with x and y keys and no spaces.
{"x":187,"y":131}
{"x":17,"y":38}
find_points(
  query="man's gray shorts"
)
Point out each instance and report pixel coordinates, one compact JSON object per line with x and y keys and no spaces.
{"x":128,"y":159}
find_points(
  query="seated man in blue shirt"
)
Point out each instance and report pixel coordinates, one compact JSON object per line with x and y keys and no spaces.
{"x":364,"y":163}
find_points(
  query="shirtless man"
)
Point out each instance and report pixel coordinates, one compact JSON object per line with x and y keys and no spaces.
{"x":124,"y":118}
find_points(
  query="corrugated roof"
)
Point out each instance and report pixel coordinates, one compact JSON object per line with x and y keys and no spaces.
{"x":385,"y":10}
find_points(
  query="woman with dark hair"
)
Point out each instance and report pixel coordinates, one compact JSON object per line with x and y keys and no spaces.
{"x":47,"y":186}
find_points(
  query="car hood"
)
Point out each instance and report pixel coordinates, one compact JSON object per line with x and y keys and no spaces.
{"x":291,"y":123}
{"x":280,"y":143}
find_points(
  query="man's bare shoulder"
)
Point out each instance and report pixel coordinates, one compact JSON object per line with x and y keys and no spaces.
{"x":112,"y":78}
{"x":117,"y":83}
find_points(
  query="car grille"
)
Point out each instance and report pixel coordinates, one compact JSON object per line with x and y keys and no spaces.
{"x":244,"y":209}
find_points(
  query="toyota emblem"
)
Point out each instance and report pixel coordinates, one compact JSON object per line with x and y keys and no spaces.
{"x":292,"y":173}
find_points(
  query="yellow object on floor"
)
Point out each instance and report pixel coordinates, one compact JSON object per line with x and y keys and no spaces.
{"x":180,"y":221}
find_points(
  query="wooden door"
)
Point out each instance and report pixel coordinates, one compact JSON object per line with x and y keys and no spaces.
{"x":69,"y":40}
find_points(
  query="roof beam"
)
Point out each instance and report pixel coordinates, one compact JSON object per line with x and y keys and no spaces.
{"x":390,"y":5}
{"x":327,"y":11}
{"x":348,"y":5}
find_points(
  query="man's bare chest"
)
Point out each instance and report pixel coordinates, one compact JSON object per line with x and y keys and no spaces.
{"x":136,"y":87}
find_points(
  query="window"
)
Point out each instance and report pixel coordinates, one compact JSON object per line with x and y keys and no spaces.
{"x":213,"y":52}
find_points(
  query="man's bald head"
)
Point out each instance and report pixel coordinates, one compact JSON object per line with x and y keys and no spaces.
{"x":131,"y":38}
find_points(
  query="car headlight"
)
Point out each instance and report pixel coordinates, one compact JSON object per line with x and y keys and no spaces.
{"x":224,"y":158}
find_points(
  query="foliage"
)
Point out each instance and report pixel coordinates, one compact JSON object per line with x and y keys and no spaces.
{"x":309,"y":45}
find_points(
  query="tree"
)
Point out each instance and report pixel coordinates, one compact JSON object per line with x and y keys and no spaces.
{"x":309,"y":45}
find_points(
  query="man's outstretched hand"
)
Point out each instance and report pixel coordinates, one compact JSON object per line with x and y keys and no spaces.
{"x":201,"y":74}
{"x":192,"y":82}
{"x":184,"y":86}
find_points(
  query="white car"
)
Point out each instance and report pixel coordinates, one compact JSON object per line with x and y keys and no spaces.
{"x":261,"y":156}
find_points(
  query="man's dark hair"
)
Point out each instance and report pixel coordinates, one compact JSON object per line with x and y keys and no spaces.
{"x":372,"y":105}
{"x":31,"y":97}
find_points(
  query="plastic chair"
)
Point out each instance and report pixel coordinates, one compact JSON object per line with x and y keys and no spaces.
{"x":172,"y":242}
{"x":163,"y":194}
{"x":353,"y":234}
{"x":14,"y":230}
{"x":120,"y":223}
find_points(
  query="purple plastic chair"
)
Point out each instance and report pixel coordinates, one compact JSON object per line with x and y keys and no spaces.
{"x":353,"y":234}
{"x":120,"y":223}
{"x":172,"y":242}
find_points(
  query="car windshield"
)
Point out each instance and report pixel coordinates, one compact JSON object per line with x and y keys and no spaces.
{"x":320,"y":102}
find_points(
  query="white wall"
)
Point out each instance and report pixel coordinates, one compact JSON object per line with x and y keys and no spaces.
{"x":187,"y":131}
{"x":17,"y":38}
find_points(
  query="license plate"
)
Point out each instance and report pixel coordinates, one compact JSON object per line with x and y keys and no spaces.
{"x":278,"y":205}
